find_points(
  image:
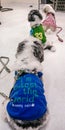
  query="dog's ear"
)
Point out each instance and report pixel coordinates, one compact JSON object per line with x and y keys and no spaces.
{"x":20,"y":47}
{"x":38,"y":51}
{"x":32,"y":14}
{"x":45,"y":11}
{"x":31,"y":17}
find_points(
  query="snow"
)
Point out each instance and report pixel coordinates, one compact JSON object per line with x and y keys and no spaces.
{"x":13,"y":30}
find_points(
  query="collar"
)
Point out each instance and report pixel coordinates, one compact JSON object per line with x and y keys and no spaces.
{"x":36,"y":25}
{"x":50,"y":13}
{"x":27,"y":71}
{"x":19,"y":73}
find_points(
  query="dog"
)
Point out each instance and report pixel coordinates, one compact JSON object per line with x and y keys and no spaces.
{"x":26,"y":107}
{"x":50,"y":20}
{"x":37,"y":30}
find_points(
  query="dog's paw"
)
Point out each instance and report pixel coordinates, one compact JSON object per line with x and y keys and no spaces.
{"x":49,"y":47}
{"x":53,"y":49}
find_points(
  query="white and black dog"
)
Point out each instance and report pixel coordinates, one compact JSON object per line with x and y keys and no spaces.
{"x":26,"y":107}
{"x":37,"y":30}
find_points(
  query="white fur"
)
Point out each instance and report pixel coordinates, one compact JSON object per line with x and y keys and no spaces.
{"x":30,"y":62}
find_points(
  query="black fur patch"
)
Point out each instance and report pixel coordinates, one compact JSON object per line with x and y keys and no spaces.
{"x":21,"y":46}
{"x":38,"y":51}
{"x":32,"y":14}
{"x":27,"y":124}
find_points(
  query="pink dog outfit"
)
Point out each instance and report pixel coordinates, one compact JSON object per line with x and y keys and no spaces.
{"x":49,"y":21}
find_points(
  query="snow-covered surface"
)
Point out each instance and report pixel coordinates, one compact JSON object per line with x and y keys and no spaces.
{"x":13,"y":30}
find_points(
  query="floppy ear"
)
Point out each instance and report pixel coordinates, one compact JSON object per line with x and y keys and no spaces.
{"x":31,"y":16}
{"x":45,"y":11}
{"x":20,"y":47}
{"x":38,"y":51}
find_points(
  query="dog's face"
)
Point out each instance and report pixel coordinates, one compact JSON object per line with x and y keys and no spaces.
{"x":29,"y":54}
{"x":34,"y":17}
{"x":36,"y":22}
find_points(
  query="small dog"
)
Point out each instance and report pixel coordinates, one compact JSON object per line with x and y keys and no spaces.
{"x":27,"y":105}
{"x":50,"y":20}
{"x":37,"y":30}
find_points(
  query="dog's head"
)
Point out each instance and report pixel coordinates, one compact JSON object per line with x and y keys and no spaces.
{"x":48,"y":9}
{"x":29,"y":54}
{"x":34,"y":17}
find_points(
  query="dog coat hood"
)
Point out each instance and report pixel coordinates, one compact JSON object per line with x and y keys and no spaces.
{"x":27,"y":99}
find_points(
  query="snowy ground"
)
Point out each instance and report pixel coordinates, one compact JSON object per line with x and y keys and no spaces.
{"x":13,"y":30}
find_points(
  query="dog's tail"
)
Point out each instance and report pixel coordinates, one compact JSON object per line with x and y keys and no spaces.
{"x":57,"y":34}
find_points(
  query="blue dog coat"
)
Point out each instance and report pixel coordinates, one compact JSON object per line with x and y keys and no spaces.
{"x":27,"y":99}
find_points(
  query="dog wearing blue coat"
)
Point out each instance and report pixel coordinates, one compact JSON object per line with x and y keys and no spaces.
{"x":26,"y":107}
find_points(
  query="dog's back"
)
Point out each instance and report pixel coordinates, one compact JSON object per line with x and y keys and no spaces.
{"x":27,"y":106}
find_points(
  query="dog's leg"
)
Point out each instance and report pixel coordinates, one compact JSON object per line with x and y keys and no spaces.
{"x":46,"y":122}
{"x":49,"y":46}
{"x":53,"y":29}
{"x":45,"y":28}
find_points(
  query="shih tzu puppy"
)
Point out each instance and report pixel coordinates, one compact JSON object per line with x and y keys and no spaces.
{"x":26,"y":107}
{"x":50,"y":20}
{"x":37,"y":29}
